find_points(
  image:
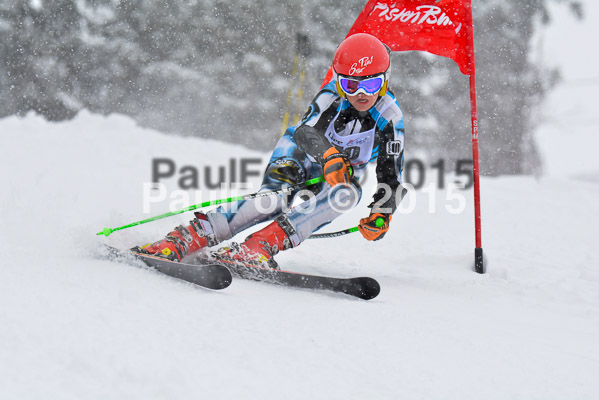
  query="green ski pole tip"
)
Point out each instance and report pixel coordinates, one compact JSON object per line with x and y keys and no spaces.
{"x":105,"y":232}
{"x":379,"y":222}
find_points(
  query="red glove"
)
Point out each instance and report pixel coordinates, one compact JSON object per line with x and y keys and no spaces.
{"x":375,"y":226}
{"x":337,"y":168}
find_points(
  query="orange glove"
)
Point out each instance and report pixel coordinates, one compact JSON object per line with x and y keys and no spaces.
{"x":375,"y":226}
{"x":337,"y":168}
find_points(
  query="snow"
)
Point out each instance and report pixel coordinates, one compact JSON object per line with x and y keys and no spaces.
{"x":73,"y":326}
{"x":568,"y":137}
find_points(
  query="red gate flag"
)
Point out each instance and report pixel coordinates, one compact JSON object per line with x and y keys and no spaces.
{"x":441,"y":27}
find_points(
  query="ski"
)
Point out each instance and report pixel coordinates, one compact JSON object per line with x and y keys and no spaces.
{"x":209,"y":275}
{"x":363,"y":287}
{"x":217,"y":274}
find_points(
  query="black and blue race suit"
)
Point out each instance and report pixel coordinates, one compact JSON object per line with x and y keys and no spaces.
{"x":376,"y":135}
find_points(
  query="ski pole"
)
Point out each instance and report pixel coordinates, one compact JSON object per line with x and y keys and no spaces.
{"x":298,"y":186}
{"x":333,"y":234}
{"x":379,"y":222}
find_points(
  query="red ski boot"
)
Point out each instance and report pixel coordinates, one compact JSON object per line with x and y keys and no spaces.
{"x":183,"y":240}
{"x":260,"y":247}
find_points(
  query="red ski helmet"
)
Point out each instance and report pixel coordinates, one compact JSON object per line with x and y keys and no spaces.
{"x":362,"y":55}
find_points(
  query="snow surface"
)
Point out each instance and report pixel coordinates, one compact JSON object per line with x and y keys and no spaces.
{"x":75,"y":327}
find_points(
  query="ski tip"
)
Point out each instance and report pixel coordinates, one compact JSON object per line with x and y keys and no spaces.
{"x":369,"y":288}
{"x":221,"y":277}
{"x":210,"y":276}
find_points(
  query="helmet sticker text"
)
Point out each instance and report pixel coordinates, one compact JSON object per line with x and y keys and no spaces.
{"x":428,"y":14}
{"x":358,"y":67}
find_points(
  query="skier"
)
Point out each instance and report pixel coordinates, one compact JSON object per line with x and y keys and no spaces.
{"x":353,"y":120}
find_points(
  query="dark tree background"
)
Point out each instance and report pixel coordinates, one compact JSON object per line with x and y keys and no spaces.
{"x":222,"y":69}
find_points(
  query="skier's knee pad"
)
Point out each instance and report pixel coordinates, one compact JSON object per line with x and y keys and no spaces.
{"x":284,"y":170}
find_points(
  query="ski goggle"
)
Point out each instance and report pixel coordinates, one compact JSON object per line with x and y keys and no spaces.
{"x":353,"y":86}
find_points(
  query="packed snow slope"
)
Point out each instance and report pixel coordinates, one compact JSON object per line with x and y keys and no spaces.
{"x":74,"y":326}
